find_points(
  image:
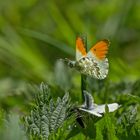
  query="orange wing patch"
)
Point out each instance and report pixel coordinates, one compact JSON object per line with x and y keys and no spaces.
{"x":100,"y":49}
{"x":80,"y":46}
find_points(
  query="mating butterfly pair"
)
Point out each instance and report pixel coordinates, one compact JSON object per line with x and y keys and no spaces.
{"x":94,"y":63}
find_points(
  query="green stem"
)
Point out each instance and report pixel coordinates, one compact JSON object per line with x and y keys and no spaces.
{"x":83,"y":84}
{"x":83,"y":77}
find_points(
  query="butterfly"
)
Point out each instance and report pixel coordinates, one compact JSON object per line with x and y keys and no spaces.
{"x":94,"y":109}
{"x":94,"y":63}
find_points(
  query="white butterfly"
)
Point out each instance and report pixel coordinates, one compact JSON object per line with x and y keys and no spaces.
{"x":94,"y":109}
{"x":94,"y":63}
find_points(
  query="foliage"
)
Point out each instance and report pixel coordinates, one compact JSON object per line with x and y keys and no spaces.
{"x":54,"y":120}
{"x":122,"y":124}
{"x":34,"y":35}
{"x":12,"y":129}
{"x":47,"y":116}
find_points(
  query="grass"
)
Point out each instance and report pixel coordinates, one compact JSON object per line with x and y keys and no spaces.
{"x":35,"y":34}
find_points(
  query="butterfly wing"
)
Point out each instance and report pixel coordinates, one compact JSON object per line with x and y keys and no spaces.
{"x":88,"y":103}
{"x":100,"y":62}
{"x":99,"y":50}
{"x":112,"y":107}
{"x":101,"y":108}
{"x":80,"y":48}
{"x":93,"y":112}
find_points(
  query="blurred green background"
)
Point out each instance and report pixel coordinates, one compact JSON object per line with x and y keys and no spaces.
{"x":34,"y":34}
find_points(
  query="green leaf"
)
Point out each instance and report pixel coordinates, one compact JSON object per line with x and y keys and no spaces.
{"x":46,"y":116}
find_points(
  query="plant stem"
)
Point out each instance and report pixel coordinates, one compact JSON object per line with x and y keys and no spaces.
{"x":83,"y":84}
{"x":83,"y":77}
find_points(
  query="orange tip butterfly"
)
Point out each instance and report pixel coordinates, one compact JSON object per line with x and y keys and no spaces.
{"x":90,"y":107}
{"x":94,"y":63}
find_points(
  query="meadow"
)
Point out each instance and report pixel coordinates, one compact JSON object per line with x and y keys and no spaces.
{"x":40,"y":95}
